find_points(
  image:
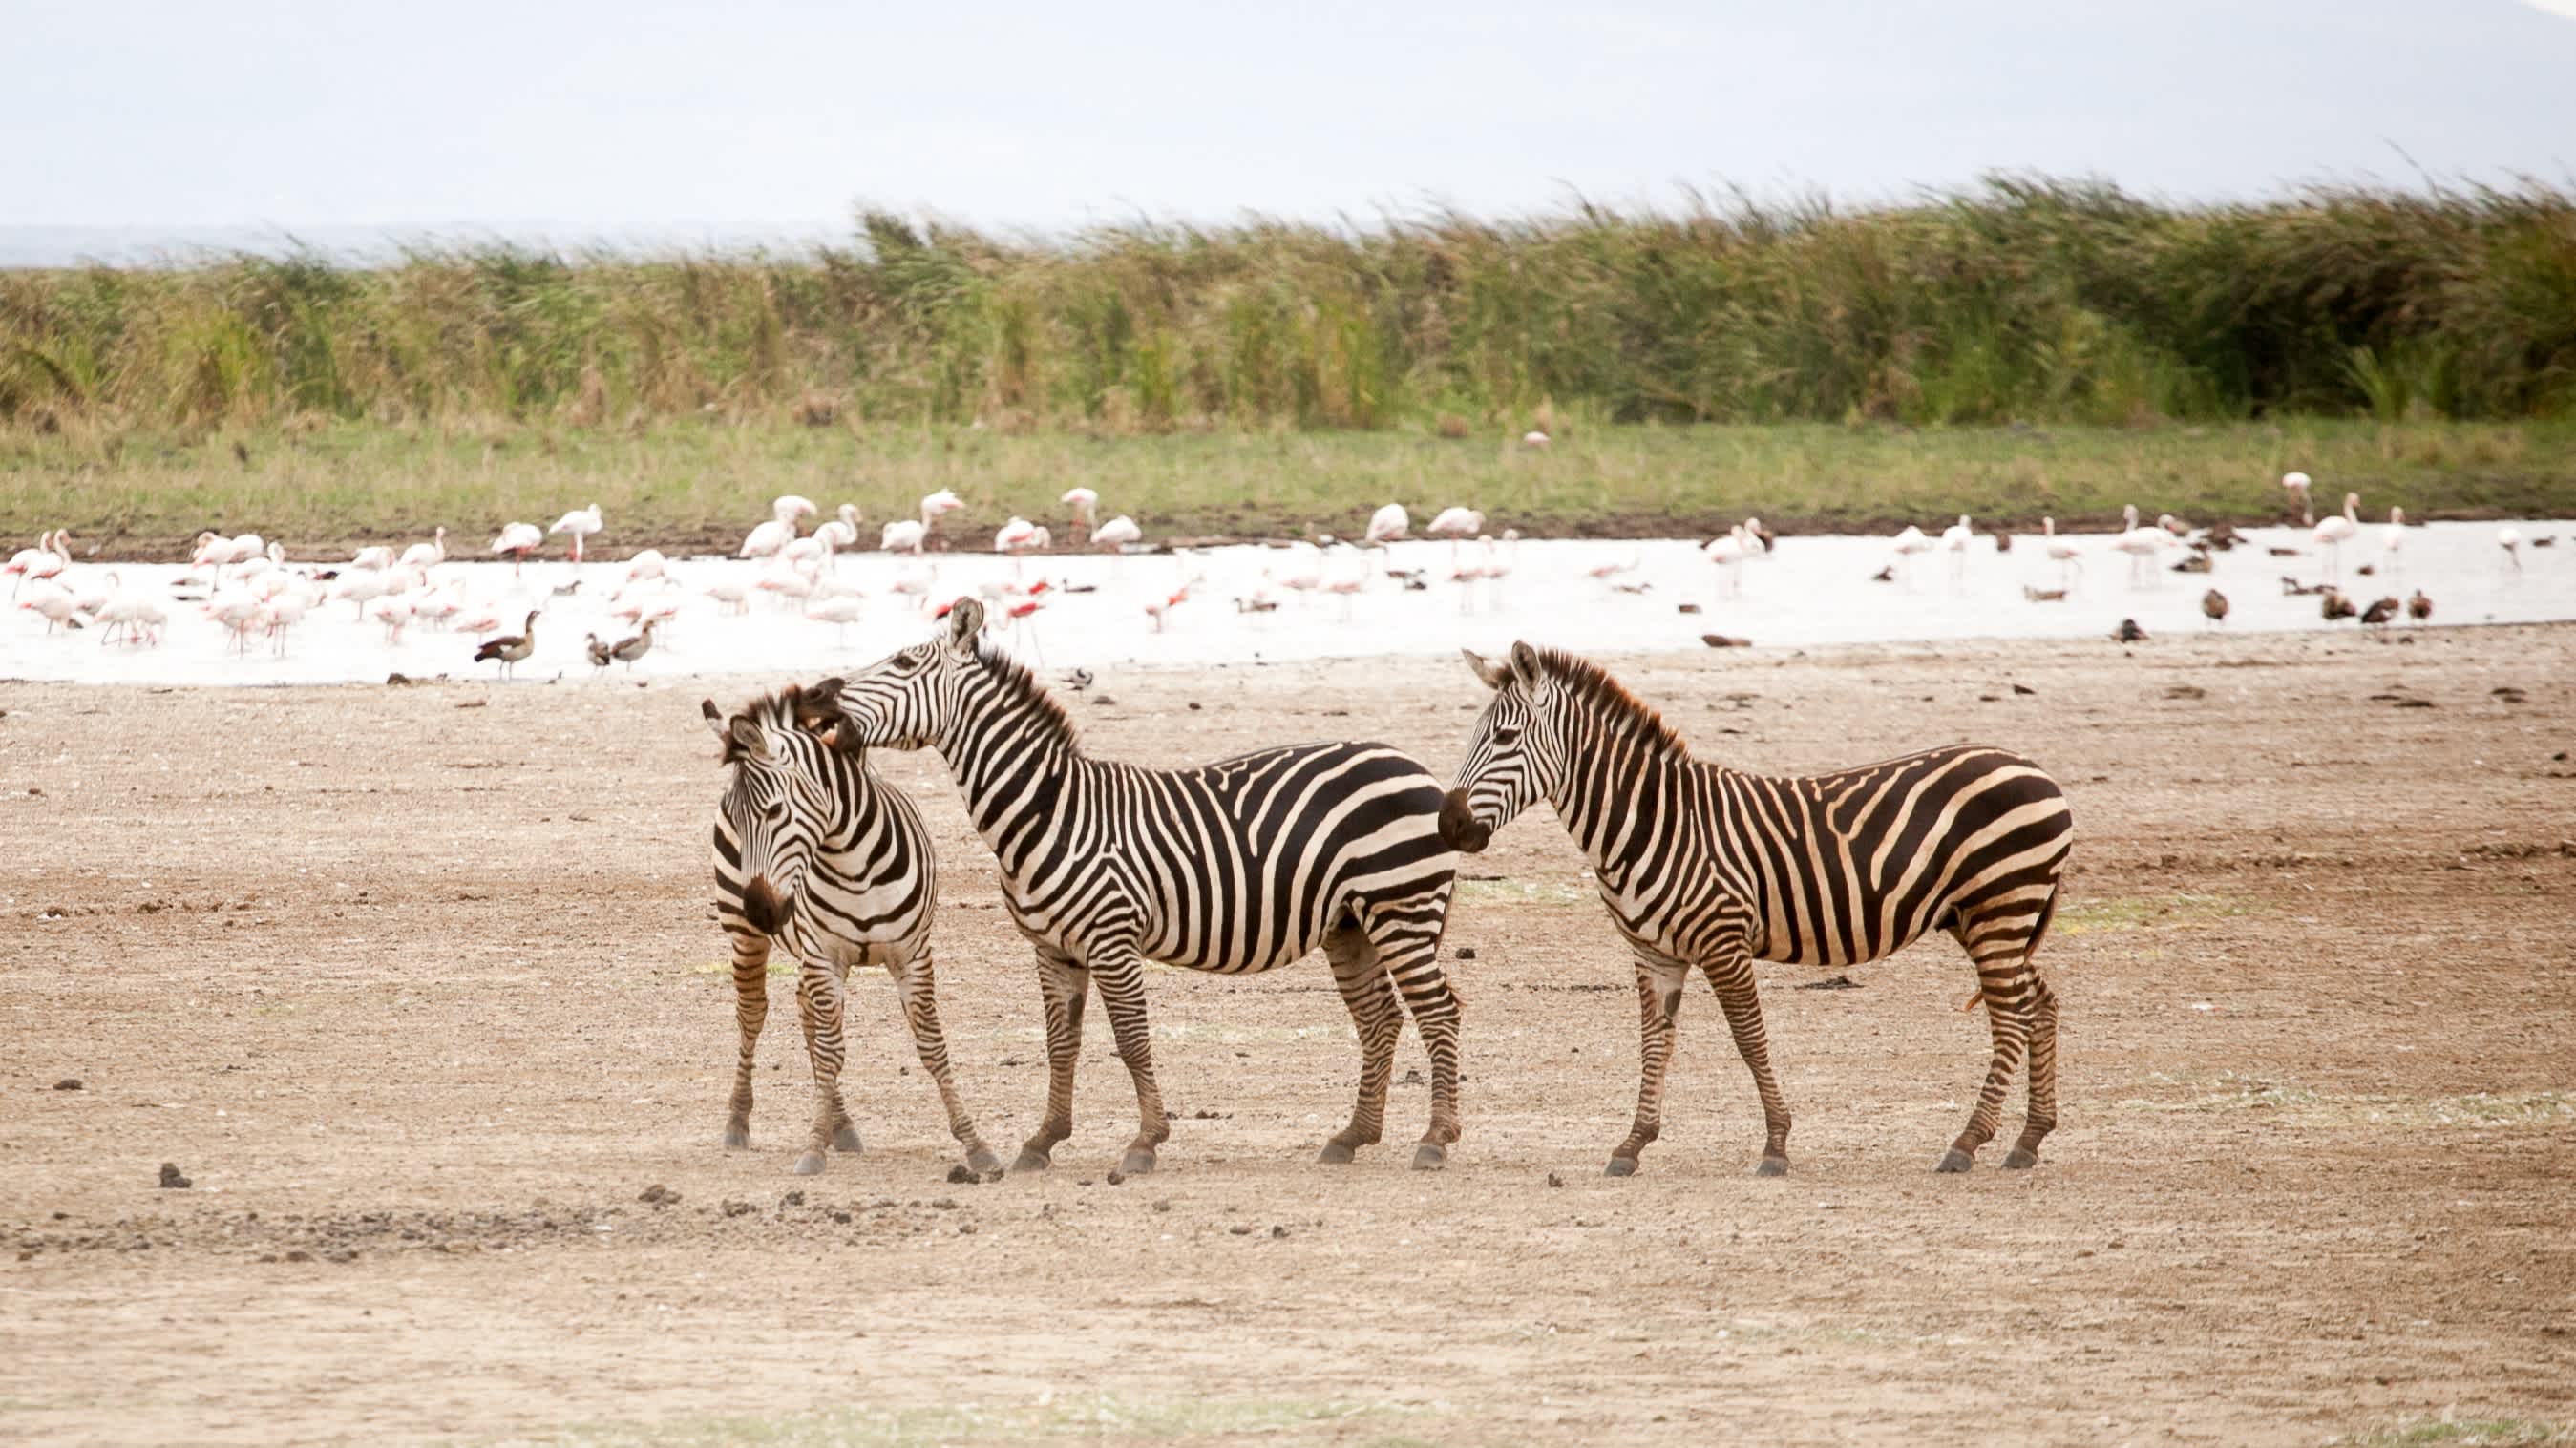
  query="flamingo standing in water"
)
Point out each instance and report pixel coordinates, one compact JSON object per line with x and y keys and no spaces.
{"x":1455,"y":524}
{"x":1954,"y":541}
{"x":2295,"y":485}
{"x":1729,"y":553}
{"x":767,"y":540}
{"x":1115,"y":535}
{"x":2333,"y":533}
{"x":1085,"y":505}
{"x":518,"y":540}
{"x":426,"y":556}
{"x":580,"y":525}
{"x":1909,"y":542}
{"x":1018,"y":538}
{"x":2510,"y":540}
{"x":935,"y":506}
{"x":2392,"y":541}
{"x":2068,"y":558}
{"x":2142,"y":544}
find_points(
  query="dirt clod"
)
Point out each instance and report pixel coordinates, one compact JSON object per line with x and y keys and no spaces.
{"x":68,"y":1083}
{"x":172,"y":1178}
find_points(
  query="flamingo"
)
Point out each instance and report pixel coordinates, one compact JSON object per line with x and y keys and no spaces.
{"x":2141,"y":544}
{"x":2332,"y":533}
{"x":1909,"y":542}
{"x":904,"y":536}
{"x":236,"y":610}
{"x":2392,"y":539}
{"x":425,"y":556}
{"x":1389,"y":524}
{"x":2068,"y":558}
{"x":54,"y":604}
{"x":1731,"y":550}
{"x":580,"y":525}
{"x":360,"y":586}
{"x":842,"y":611}
{"x":2296,"y":486}
{"x":1018,"y":537}
{"x":648,"y":564}
{"x":133,"y":617}
{"x":1085,"y":505}
{"x":511,"y":648}
{"x":935,"y":506}
{"x":26,"y":560}
{"x":2510,"y":540}
{"x":377,"y":556}
{"x":393,"y":611}
{"x":518,"y":540}
{"x":732,"y":595}
{"x":1955,"y":540}
{"x":841,"y":533}
{"x":1534,"y":439}
{"x":792,"y":505}
{"x":1454,"y":524}
{"x":1607,"y":571}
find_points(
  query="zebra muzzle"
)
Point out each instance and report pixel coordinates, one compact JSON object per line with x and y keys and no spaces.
{"x":761,"y":906}
{"x":1459,"y":829}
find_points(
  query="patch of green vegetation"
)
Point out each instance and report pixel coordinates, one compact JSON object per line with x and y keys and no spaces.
{"x":1526,"y":892}
{"x":1102,"y":1419}
{"x":682,"y":484}
{"x":2467,"y":1432}
{"x":2146,"y":912}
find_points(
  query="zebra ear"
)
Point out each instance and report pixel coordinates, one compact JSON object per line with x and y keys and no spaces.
{"x":965,"y":621}
{"x":1493,"y":675}
{"x":715,"y":717}
{"x":747,"y":734}
{"x":1525,"y":665}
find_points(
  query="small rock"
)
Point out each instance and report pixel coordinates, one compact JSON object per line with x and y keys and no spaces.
{"x":1725,"y":641}
{"x":1116,"y":1178}
{"x":1194,"y":706}
{"x":739,"y":1209}
{"x":1240,"y":1229}
{"x":2024,"y":689}
{"x":792,"y":1199}
{"x":961,"y":1174}
{"x":945,"y":1204}
{"x":1163,"y":1204}
{"x":1411,"y":1078}
{"x":1831,"y":982}
{"x":841,"y":1217}
{"x":171,"y":1178}
{"x":1686,"y":608}
{"x":657,"y":1195}
{"x":299,"y":1255}
{"x":1277,"y":1232}
{"x":1555,"y":1180}
{"x":68,"y":1083}
{"x":1464,"y":952}
{"x":1102,"y":700}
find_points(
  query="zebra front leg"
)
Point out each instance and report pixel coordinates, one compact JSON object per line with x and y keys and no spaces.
{"x":1732,"y":976}
{"x":1379,"y":1020}
{"x":1121,"y":973}
{"x":750,"y":1012}
{"x":1659,"y":1002}
{"x":819,"y":1002}
{"x":914,"y":980}
{"x":1062,"y":984}
{"x":1408,"y":941}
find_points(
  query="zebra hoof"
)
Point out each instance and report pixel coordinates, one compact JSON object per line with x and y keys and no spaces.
{"x":2020,"y":1158}
{"x":1335,"y":1154}
{"x":737,"y":1137}
{"x":846,"y":1139}
{"x":1136,"y":1163}
{"x":983,"y":1163}
{"x":1955,"y":1160}
{"x":1430,"y":1156}
{"x":810,"y":1164}
{"x":1773,"y":1166}
{"x":1621,"y":1166}
{"x":1031,"y":1161}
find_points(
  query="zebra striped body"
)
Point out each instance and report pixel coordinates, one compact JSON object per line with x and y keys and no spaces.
{"x":1238,"y":866}
{"x":1708,"y":867}
{"x":814,"y":852}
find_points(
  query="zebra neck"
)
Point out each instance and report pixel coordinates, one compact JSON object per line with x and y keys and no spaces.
{"x":1015,"y":765}
{"x":1611,"y":798}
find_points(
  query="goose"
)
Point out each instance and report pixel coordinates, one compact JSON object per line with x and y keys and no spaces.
{"x":580,"y":525}
{"x":2214,"y":604}
{"x":2331,"y":533}
{"x":511,"y":648}
{"x":597,"y":652}
{"x":2381,"y":611}
{"x":2333,"y":605}
{"x":2295,"y":485}
{"x":427,"y":555}
{"x":628,"y":650}
{"x":2420,"y":607}
{"x":518,"y":540}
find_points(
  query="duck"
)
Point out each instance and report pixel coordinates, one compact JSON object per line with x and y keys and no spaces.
{"x":2420,"y":607}
{"x":2214,"y":605}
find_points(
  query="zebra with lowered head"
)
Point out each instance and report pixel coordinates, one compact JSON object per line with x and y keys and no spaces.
{"x":812,"y":850}
{"x":1238,"y":866}
{"x":1710,"y":867}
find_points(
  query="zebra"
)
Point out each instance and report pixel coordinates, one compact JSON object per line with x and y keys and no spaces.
{"x":1702,"y":865}
{"x":812,"y":850}
{"x":1238,"y":866}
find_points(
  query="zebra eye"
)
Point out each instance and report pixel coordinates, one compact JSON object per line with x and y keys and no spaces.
{"x":1507,"y":735}
{"x":774,"y":810}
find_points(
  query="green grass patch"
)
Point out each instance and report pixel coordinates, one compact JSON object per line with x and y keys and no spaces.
{"x":684,"y":484}
{"x":2146,"y":912}
{"x":2467,"y":1433}
{"x":1094,"y":1419}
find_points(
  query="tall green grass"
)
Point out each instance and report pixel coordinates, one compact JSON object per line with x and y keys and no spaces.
{"x":2021,"y":300}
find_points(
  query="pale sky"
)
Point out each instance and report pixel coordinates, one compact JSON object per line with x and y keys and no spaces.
{"x":767,"y":118}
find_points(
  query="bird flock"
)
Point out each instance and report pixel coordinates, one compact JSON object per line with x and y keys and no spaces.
{"x":792,"y":565}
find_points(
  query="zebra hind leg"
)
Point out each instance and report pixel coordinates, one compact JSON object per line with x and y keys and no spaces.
{"x":750,"y":1012}
{"x":818,"y":998}
{"x":1062,"y":986}
{"x":1406,"y":936}
{"x":2000,"y":938}
{"x":916,"y":983}
{"x":1379,"y":1019}
{"x":1659,"y":1001}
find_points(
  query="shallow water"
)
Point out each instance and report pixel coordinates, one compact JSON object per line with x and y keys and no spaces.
{"x":1813,"y":590}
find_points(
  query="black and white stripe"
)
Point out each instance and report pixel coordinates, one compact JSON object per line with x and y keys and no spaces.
{"x":815,"y":852}
{"x":1238,"y":866}
{"x":1709,"y":867}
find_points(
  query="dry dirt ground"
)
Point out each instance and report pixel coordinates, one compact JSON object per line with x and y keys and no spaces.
{"x":419,"y":987}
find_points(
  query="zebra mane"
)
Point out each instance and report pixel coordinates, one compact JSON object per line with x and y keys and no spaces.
{"x":1019,"y":685}
{"x":795,"y":708}
{"x":1591,"y":685}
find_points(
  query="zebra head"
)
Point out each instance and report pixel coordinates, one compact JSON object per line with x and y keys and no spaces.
{"x":779,"y":807}
{"x":1515,"y":757}
{"x":912,"y":698}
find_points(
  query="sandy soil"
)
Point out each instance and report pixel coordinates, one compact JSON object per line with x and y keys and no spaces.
{"x":419,"y":987}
